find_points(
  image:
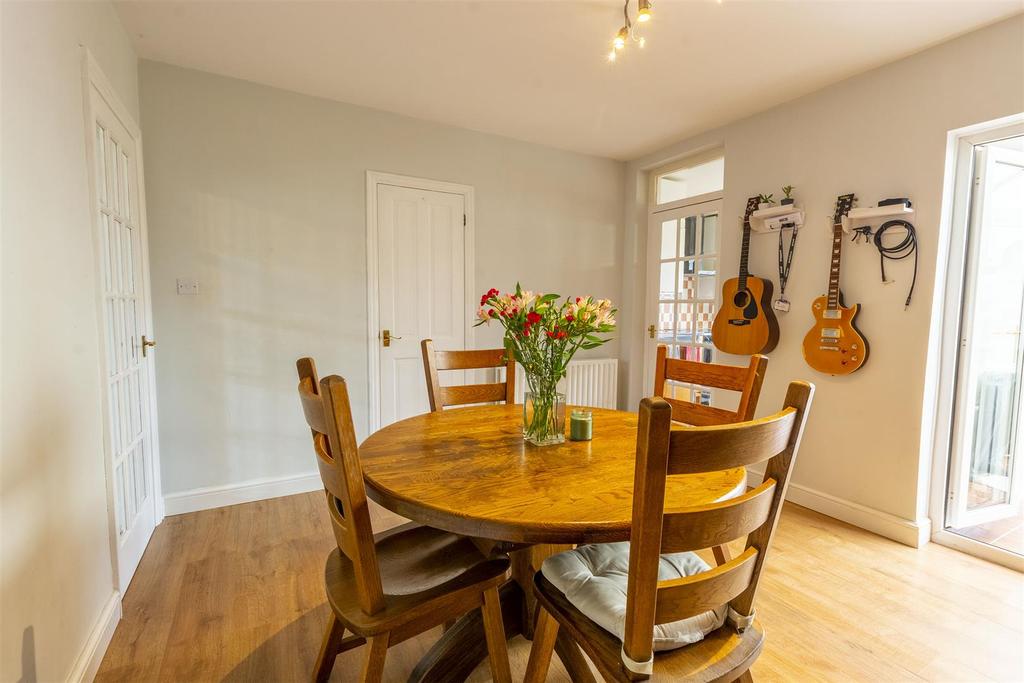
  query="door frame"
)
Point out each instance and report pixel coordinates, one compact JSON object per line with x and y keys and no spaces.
{"x":93,"y":78}
{"x":939,"y":414}
{"x":373,"y":180}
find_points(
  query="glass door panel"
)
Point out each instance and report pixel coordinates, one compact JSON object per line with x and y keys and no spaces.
{"x":985,"y":475}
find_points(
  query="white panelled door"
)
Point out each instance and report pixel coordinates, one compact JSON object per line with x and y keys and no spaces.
{"x":123,"y":289}
{"x":421,"y":243}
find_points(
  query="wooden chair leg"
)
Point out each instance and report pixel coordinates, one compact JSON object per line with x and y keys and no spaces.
{"x":745,"y":677}
{"x":373,"y":663}
{"x":722,"y":554}
{"x":544,"y":635}
{"x":329,"y":649}
{"x":494,"y":629}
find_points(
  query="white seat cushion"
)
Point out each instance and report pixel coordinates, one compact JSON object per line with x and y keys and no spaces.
{"x":594,"y":577}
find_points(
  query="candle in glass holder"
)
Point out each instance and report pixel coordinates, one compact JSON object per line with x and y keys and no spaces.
{"x":581,"y":425}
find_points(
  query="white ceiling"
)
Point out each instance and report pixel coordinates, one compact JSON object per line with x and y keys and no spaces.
{"x":537,"y":71}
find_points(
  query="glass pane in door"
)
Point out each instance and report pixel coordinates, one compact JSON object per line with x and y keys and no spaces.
{"x":985,"y":474}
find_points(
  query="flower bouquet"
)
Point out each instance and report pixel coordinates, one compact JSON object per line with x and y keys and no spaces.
{"x":543,"y":333}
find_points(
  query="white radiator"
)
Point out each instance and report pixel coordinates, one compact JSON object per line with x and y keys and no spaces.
{"x":590,"y":382}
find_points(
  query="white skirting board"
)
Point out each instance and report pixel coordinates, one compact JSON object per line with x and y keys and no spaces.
{"x":210,"y":497}
{"x":906,"y":531}
{"x":88,"y":661}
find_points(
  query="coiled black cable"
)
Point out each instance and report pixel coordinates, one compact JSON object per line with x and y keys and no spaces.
{"x":897,"y":252}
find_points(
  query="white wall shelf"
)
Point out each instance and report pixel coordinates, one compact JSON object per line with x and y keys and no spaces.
{"x":874,"y":215}
{"x":772,"y":219}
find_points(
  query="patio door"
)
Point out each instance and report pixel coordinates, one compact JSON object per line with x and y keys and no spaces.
{"x":985,"y":482}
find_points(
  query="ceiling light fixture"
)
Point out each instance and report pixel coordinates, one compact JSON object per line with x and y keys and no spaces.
{"x":620,"y":39}
{"x":644,"y":11}
{"x":629,"y":31}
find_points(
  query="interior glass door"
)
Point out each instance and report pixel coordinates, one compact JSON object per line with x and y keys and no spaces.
{"x":685,"y":288}
{"x":985,"y":474}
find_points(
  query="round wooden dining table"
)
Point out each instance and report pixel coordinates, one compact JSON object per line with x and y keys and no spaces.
{"x":469,"y":471}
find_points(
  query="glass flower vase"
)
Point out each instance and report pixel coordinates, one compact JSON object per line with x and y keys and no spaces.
{"x":544,"y":417}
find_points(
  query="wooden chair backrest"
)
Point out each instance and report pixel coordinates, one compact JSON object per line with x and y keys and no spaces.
{"x":747,"y":381}
{"x":328,"y":413}
{"x":439,"y":396}
{"x":662,"y":452}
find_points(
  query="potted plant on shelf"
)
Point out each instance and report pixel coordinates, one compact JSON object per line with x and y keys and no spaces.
{"x":765,"y":201}
{"x":788,"y":199}
{"x":543,"y":335}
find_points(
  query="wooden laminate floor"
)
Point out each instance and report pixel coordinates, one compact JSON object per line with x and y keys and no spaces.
{"x":236,"y":594}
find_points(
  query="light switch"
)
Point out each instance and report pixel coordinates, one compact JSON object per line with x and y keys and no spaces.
{"x":188,"y":286}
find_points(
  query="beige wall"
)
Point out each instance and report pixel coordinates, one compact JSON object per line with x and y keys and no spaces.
{"x":260,"y":195}
{"x":56,"y":568}
{"x":880,"y":134}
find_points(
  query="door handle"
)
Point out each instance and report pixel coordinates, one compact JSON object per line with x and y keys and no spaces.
{"x":147,"y":343}
{"x":651,"y":330}
{"x":386,"y":337}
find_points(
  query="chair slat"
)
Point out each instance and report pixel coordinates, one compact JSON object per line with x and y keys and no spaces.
{"x":472,"y":393}
{"x":712,"y":375}
{"x":469,"y":360}
{"x":721,"y":447}
{"x":683,"y":598}
{"x":700,"y":415}
{"x":718,"y":523}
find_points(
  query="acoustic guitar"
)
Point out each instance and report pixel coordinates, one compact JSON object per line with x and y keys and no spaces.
{"x":746,"y":323}
{"x":834,"y":345}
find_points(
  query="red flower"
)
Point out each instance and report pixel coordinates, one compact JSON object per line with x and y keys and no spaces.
{"x":569,"y":318}
{"x":561,"y":334}
{"x":494,"y":313}
{"x":533,"y":318}
{"x":551,"y":334}
{"x":578,"y":299}
{"x":492,"y":292}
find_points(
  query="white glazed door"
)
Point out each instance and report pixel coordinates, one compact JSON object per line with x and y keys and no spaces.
{"x":682,"y":286}
{"x":421,"y":293}
{"x":126,"y":372}
{"x":985,"y":476}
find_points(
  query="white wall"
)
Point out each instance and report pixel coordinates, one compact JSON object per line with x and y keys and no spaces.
{"x":880,"y":134}
{"x":259,"y":194}
{"x":56,"y":566}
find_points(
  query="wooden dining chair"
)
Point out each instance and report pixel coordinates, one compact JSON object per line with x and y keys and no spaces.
{"x":388,"y":587}
{"x":441,"y":397}
{"x":747,"y":381}
{"x":726,"y":651}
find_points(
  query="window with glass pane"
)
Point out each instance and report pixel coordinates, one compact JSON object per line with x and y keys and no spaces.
{"x":689,"y":182}
{"x":686,"y":293}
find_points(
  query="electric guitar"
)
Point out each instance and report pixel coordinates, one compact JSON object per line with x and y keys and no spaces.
{"x":746,"y":324}
{"x":834,"y":345}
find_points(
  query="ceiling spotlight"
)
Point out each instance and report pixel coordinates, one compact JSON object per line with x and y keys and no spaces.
{"x":620,"y":39}
{"x":644,"y":13}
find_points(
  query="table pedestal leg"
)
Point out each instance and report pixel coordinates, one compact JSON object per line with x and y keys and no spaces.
{"x":463,"y":646}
